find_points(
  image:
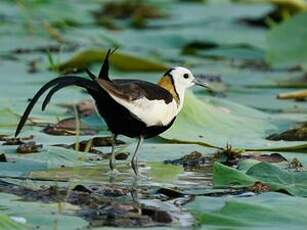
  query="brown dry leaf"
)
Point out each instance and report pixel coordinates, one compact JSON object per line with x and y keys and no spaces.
{"x":105,"y":141}
{"x":128,"y":9}
{"x":298,"y":95}
{"x":295,"y":134}
{"x":190,"y":161}
{"x":270,"y":158}
{"x":88,"y":145}
{"x":296,"y":164}
{"x":231,"y":157}
{"x":30,"y":147}
{"x":3,"y":137}
{"x":16,"y":140}
{"x":258,"y":187}
{"x":68,"y":127}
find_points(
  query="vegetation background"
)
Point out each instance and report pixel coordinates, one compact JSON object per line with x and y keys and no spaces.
{"x":234,"y":158}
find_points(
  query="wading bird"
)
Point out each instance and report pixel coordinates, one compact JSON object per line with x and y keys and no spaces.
{"x":134,"y":108}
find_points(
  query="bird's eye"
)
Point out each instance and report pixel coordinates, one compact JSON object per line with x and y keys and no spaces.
{"x":186,"y":76}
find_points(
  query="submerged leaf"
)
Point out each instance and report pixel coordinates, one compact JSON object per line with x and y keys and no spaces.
{"x":264,"y":211}
{"x":40,"y":215}
{"x":164,"y":173}
{"x":20,"y":167}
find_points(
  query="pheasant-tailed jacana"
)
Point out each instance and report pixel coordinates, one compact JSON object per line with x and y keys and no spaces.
{"x":133,"y":108}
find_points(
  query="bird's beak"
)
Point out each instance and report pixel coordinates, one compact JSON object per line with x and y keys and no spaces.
{"x":201,"y":83}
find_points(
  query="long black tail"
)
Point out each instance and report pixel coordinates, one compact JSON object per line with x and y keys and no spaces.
{"x":90,"y":86}
{"x":58,"y":83}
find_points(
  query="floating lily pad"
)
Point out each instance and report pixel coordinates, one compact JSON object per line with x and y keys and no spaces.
{"x":217,"y":122}
{"x":287,"y":43}
{"x":264,"y":211}
{"x":278,"y":179}
{"x":36,"y":214}
{"x":20,"y":167}
{"x":236,"y":116}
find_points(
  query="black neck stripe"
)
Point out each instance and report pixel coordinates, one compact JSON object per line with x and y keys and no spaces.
{"x":167,"y":73}
{"x":173,"y":83}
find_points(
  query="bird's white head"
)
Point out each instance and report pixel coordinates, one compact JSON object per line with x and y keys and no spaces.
{"x":183,"y":78}
{"x":176,"y":80}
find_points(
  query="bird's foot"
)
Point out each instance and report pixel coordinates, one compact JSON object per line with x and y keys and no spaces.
{"x":113,"y":172}
{"x":115,"y":175}
{"x":138,"y":175}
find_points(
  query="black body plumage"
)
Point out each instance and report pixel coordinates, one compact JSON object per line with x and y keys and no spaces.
{"x":118,"y":118}
{"x":121,"y":121}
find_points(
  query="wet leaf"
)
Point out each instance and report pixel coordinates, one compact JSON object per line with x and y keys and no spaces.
{"x":217,"y":122}
{"x":225,"y":176}
{"x":217,"y":42}
{"x":278,"y":179}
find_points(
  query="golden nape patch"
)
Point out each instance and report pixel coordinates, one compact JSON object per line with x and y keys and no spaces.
{"x":166,"y":83}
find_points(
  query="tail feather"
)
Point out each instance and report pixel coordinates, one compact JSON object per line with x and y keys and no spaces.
{"x":104,"y":71}
{"x":58,"y":84}
{"x":90,"y":74}
{"x":50,"y":94}
{"x":90,"y":86}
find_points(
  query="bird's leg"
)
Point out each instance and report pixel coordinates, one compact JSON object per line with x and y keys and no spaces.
{"x":134,"y":161}
{"x":112,"y":159}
